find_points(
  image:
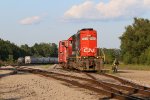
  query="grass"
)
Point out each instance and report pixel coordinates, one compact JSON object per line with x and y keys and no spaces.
{"x":46,"y":66}
{"x":130,"y":67}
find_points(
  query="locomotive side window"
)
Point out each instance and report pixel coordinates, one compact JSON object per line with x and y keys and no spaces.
{"x":63,"y":43}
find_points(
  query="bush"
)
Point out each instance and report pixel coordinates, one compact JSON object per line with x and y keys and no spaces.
{"x":1,"y":63}
{"x":148,"y":56}
{"x":143,"y":58}
{"x":127,"y":58}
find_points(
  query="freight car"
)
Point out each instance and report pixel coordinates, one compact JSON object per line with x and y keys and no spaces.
{"x":37,"y":60}
{"x":21,"y":60}
{"x":80,"y":51}
{"x":40,"y":60}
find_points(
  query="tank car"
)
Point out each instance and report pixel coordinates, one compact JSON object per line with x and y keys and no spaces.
{"x":41,"y":60}
{"x":53,"y":60}
{"x":80,"y":51}
{"x":20,"y":61}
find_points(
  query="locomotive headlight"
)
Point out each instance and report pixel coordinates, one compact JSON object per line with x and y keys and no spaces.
{"x":84,"y":57}
{"x":97,"y":57}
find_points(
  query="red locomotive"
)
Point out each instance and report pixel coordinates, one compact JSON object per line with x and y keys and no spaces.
{"x":80,"y":51}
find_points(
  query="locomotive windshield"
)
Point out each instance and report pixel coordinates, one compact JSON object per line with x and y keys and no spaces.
{"x":85,"y":38}
{"x":92,"y":38}
{"x":89,"y":38}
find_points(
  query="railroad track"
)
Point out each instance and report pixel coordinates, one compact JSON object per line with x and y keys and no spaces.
{"x":124,"y":89}
{"x":117,"y":91}
{"x":126,"y":82}
{"x":7,"y":74}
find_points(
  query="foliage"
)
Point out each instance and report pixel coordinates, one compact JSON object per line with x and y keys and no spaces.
{"x":10,"y":52}
{"x":111,"y":54}
{"x":135,"y":42}
{"x":7,"y":49}
{"x":1,"y":63}
{"x":130,"y":67}
{"x":45,"y":50}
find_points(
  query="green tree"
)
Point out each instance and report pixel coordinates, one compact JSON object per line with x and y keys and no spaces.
{"x":135,"y":41}
{"x":111,"y":54}
{"x":26,"y":49}
{"x":7,"y":48}
{"x":45,"y":50}
{"x":10,"y":51}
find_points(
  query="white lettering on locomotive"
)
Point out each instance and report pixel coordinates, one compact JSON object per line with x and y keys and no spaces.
{"x":88,"y":50}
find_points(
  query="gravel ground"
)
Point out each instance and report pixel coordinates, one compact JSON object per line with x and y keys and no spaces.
{"x":25,"y":86}
{"x":2,"y":72}
{"x":140,"y":77}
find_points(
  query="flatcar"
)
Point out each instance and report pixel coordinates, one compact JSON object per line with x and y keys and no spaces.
{"x":80,"y":51}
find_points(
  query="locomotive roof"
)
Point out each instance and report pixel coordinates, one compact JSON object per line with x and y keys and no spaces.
{"x":86,"y":29}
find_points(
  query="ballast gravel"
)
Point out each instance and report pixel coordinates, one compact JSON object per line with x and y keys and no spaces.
{"x":25,"y":86}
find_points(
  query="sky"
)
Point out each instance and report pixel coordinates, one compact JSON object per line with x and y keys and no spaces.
{"x":36,"y":21}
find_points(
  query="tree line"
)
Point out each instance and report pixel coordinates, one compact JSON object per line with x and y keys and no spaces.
{"x":10,"y":51}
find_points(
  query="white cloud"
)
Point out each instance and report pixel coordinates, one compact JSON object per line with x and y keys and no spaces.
{"x":78,"y":11}
{"x":30,"y":20}
{"x":114,"y":9}
{"x":147,"y":3}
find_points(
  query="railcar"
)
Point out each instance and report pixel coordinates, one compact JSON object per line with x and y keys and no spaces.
{"x":20,"y":60}
{"x":40,"y":60}
{"x":62,"y":56}
{"x":80,"y":51}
